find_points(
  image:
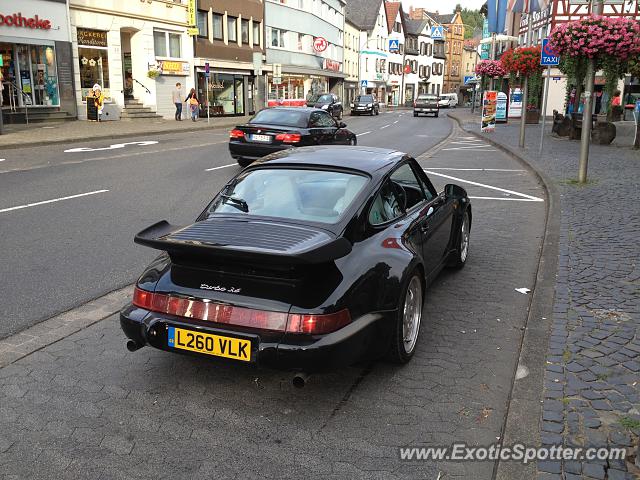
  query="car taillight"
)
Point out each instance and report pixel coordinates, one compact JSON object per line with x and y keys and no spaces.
{"x":318,"y":324}
{"x":246,"y":317}
{"x":235,"y":133}
{"x":288,"y":137}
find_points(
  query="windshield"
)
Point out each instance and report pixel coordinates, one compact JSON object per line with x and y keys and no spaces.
{"x":364,"y":98}
{"x":429,"y":98}
{"x":274,"y":116}
{"x":311,"y":195}
{"x":312,"y":97}
{"x":325,"y":99}
{"x":445,"y":97}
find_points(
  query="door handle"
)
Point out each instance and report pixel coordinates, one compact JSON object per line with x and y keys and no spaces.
{"x":424,"y":228}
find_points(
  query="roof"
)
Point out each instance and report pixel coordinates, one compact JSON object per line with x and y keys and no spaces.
{"x":415,"y":27}
{"x":363,"y":13}
{"x":364,"y":159}
{"x":444,"y":19}
{"x":391,"y":9}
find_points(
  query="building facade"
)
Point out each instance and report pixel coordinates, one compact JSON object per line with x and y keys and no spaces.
{"x":454,"y":29}
{"x":423,"y":72}
{"x":230,"y":40}
{"x":350,"y":66}
{"x":135,"y":51}
{"x":37,"y":68}
{"x":304,"y":49}
{"x":395,"y":61}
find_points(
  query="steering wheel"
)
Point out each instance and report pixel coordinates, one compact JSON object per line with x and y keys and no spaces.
{"x":401,"y":195}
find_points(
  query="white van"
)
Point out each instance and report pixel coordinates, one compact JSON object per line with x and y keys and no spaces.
{"x":448,"y":100}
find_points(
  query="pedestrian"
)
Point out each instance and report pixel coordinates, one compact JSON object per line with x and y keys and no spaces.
{"x":615,"y":102}
{"x":194,"y":104}
{"x":98,"y":100}
{"x":176,"y":98}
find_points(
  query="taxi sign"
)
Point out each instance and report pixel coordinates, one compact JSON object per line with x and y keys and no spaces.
{"x":547,"y":56}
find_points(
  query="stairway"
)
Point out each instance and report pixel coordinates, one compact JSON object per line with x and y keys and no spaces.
{"x":133,"y":109}
{"x":36,"y":115}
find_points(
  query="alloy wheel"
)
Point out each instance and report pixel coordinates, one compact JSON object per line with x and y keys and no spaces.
{"x":412,"y":314}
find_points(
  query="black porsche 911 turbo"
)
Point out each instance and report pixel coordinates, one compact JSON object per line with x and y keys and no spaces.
{"x":280,"y":128}
{"x":307,"y":260}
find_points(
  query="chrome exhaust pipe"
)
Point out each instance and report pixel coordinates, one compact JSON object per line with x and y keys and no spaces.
{"x":132,"y":345}
{"x":299,"y":380}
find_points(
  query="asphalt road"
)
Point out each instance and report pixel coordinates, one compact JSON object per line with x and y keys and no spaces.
{"x":84,"y":407}
{"x":59,"y":255}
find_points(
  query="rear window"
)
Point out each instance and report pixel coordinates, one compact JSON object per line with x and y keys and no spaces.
{"x":309,"y":195}
{"x":364,"y":98}
{"x":428,"y":98}
{"x":289,"y":118}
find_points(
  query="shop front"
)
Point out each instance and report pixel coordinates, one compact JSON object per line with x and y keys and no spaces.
{"x":294,"y":89}
{"x":35,"y":58}
{"x":228,"y":92}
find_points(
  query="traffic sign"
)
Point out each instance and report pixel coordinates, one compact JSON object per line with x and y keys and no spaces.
{"x":364,"y":83}
{"x":468,"y":78}
{"x":437,"y":32}
{"x":206,"y":67}
{"x":394,"y":45}
{"x":547,"y":56}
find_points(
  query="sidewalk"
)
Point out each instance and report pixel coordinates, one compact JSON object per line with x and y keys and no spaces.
{"x":37,"y":134}
{"x":591,"y":392}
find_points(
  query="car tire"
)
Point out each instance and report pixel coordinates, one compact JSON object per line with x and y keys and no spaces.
{"x":340,"y":114}
{"x":436,"y":115}
{"x":378,"y":112}
{"x":244,"y":162}
{"x":353,"y":141}
{"x":406,"y":328}
{"x":415,"y":114}
{"x":459,"y":256}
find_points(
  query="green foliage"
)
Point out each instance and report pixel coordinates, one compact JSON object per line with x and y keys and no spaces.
{"x":473,"y":21}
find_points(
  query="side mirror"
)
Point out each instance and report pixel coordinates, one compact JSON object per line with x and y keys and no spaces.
{"x":451,"y":190}
{"x":342,"y":125}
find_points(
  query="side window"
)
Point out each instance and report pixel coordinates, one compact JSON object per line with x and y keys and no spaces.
{"x":314,"y":120}
{"x":325,"y":120}
{"x":386,"y":206}
{"x":427,"y":186}
{"x":409,"y":187}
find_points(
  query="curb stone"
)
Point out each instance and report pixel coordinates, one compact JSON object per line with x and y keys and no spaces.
{"x":524,"y":411}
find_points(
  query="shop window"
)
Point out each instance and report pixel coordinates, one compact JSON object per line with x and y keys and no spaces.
{"x":203,"y":23}
{"x":166,"y":44}
{"x":244,"y":30}
{"x":38,"y":78}
{"x":217,"y":26}
{"x":94,"y":68}
{"x":256,"y":33}
{"x":232,"y":29}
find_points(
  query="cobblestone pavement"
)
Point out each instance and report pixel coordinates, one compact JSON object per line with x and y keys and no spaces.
{"x":84,"y":407}
{"x":592,"y":381}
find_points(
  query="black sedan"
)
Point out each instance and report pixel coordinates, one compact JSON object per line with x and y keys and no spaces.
{"x":365,"y":104}
{"x":307,"y":260}
{"x":281,"y":128}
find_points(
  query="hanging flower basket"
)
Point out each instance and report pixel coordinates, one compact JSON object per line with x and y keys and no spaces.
{"x":522,"y":61}
{"x":490,"y":68}
{"x":153,"y":73}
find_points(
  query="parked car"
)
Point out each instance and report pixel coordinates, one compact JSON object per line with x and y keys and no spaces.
{"x":426,"y":103}
{"x":280,"y":128}
{"x":365,"y":104}
{"x":310,"y":259}
{"x":448,"y":100}
{"x":329,"y":102}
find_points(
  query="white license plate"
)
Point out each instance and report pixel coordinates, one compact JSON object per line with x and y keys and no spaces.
{"x":260,"y":138}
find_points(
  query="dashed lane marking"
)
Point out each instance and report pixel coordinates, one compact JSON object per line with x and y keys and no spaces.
{"x":505,"y":198}
{"x":477,"y":149}
{"x":396,"y":121}
{"x":18,"y":207}
{"x":491,"y":187}
{"x":477,"y":169}
{"x":221,"y":166}
{"x":384,"y":126}
{"x":363,"y":133}
{"x":111,"y":147}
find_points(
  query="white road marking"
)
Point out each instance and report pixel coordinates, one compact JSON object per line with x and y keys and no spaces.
{"x":221,"y":166}
{"x":110,"y":147}
{"x":524,"y":195}
{"x":504,"y":198}
{"x":384,"y":126}
{"x":2,"y":159}
{"x":478,"y":148}
{"x":52,"y":201}
{"x":363,"y":133}
{"x":396,"y":121}
{"x":477,"y":169}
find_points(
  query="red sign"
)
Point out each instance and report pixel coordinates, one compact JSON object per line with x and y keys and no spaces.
{"x":320,"y":44}
{"x":331,"y":65}
{"x":17,"y":20}
{"x":407,"y":68}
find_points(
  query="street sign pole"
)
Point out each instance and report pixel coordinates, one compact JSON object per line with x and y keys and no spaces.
{"x":206,"y":79}
{"x":544,"y":107}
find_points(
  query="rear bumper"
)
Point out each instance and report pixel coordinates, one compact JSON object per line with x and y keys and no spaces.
{"x":271,"y":349}
{"x":425,"y":110}
{"x":254,"y":151}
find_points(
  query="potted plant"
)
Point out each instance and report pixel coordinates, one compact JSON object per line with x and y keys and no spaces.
{"x":153,"y":73}
{"x":532,"y":114}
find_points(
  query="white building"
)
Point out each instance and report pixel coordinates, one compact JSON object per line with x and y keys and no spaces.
{"x":424,"y":70}
{"x":116,"y":43}
{"x":351,"y":57}
{"x":395,"y":47}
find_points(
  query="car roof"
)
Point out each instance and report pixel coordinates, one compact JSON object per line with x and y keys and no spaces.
{"x":295,"y":109}
{"x":365,"y":159}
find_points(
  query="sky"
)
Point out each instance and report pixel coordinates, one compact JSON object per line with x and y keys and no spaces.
{"x":443,"y":6}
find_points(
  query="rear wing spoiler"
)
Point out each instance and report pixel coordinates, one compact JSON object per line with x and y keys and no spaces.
{"x":167,"y":237}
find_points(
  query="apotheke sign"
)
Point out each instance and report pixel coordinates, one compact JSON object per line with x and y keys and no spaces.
{"x":17,"y":20}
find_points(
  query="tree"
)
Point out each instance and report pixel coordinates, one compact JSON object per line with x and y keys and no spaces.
{"x":473,"y":21}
